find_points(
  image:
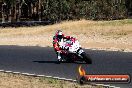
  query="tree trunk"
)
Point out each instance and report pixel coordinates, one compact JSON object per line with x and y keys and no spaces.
{"x":39,"y":10}
{"x":3,"y":13}
{"x":30,"y":11}
{"x":15,"y":12}
{"x":18,"y":11}
{"x":9,"y":16}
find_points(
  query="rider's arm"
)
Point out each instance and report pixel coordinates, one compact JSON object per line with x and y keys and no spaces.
{"x":56,"y":47}
{"x":55,"y":44}
{"x":67,"y":37}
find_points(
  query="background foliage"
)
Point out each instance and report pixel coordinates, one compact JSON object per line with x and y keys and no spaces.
{"x":58,"y":10}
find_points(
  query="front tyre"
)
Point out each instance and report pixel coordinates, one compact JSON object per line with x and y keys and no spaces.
{"x":86,"y":58}
{"x":58,"y":62}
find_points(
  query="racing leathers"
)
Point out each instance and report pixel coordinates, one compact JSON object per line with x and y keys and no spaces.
{"x":58,"y":45}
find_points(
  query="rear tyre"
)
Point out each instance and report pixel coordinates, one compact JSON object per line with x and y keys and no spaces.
{"x":86,"y":58}
{"x":69,"y":61}
{"x":68,"y":58}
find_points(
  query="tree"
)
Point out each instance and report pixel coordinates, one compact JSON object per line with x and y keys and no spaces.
{"x":3,"y":12}
{"x":58,"y":10}
{"x":10,"y":4}
{"x":39,"y":10}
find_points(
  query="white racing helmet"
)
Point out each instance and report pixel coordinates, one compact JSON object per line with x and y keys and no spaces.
{"x":59,"y":34}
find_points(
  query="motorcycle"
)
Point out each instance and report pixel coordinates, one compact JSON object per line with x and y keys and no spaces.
{"x":74,"y":52}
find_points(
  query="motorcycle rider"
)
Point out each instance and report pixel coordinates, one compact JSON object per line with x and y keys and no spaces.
{"x":58,"y":41}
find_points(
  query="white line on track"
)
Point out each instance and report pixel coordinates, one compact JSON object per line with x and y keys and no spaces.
{"x":107,"y":86}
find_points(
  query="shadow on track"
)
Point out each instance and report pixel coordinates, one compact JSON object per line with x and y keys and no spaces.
{"x":56,"y":62}
{"x":47,"y":55}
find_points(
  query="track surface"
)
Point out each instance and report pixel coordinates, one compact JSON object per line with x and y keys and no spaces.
{"x":42,"y":61}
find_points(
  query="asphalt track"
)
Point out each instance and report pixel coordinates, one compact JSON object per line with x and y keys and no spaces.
{"x":42,"y":61}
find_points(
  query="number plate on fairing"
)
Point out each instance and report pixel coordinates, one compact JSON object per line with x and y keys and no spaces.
{"x":80,"y":51}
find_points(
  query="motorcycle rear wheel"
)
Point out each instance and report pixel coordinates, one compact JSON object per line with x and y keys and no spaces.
{"x":86,"y":58}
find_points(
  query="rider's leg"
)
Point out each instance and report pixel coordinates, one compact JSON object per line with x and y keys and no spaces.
{"x":59,"y":56}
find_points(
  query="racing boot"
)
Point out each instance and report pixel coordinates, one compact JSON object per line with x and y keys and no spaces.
{"x":59,"y":58}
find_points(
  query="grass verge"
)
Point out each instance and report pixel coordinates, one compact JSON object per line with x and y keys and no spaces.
{"x":91,"y":34}
{"x":9,"y":80}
